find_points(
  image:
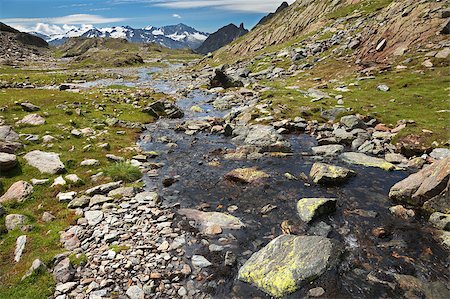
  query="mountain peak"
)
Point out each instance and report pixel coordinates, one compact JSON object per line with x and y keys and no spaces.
{"x":222,"y":37}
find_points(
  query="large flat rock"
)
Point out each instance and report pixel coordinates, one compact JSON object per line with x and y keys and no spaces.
{"x":45,"y":162}
{"x":289,"y":262}
{"x":365,"y":160}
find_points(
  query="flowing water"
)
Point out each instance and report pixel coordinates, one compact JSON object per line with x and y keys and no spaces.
{"x":363,"y":204}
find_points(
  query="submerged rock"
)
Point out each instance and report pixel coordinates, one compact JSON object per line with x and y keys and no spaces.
{"x":246,"y":175}
{"x":206,"y":221}
{"x":328,"y":150}
{"x":310,"y":208}
{"x":322,"y":173}
{"x":289,"y":262}
{"x":440,"y":220}
{"x":368,"y":161}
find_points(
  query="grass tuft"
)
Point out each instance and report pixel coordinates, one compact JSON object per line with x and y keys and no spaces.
{"x":123,"y":171}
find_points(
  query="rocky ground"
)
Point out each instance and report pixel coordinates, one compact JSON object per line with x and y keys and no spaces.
{"x":133,"y":240}
{"x":290,"y":174}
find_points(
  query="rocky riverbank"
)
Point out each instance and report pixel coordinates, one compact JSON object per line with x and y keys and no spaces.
{"x":226,"y":192}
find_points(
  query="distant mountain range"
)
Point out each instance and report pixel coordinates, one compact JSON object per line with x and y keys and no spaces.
{"x":173,"y":36}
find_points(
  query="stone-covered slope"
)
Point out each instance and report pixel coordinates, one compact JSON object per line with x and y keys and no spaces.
{"x":16,"y":46}
{"x":379,"y":28}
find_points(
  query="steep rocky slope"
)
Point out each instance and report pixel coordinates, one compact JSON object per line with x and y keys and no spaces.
{"x":265,"y":19}
{"x":402,"y":25}
{"x":18,"y":46}
{"x":221,"y":37}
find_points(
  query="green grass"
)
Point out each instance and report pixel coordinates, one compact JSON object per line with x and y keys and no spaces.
{"x":43,"y":239}
{"x":363,"y":7}
{"x":40,"y":285}
{"x":416,"y":93}
{"x":95,"y":53}
{"x":123,"y":171}
{"x":47,"y":77}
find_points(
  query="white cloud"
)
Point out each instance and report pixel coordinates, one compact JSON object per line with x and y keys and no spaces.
{"x":48,"y":29}
{"x":257,"y":6}
{"x":70,"y":20}
{"x":176,"y":16}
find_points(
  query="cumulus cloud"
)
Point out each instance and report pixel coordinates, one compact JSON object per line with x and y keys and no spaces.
{"x":176,"y":16}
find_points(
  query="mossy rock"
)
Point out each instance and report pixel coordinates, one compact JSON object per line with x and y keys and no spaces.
{"x":310,"y":208}
{"x":289,"y":262}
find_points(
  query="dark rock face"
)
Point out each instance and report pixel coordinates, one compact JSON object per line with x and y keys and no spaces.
{"x":223,"y":80}
{"x":24,"y":38}
{"x":222,"y":37}
{"x":283,"y":6}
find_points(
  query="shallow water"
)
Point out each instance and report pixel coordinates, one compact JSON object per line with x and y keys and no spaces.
{"x":408,"y":249}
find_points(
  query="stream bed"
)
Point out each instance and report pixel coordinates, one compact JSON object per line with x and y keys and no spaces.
{"x":408,"y":246}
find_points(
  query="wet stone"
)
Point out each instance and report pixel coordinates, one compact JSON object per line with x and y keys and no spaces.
{"x":322,"y":173}
{"x":440,"y":221}
{"x":289,"y":262}
{"x":310,"y":208}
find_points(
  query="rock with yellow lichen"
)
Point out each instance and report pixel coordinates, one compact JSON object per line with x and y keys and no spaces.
{"x":289,"y":262}
{"x":310,"y":208}
{"x":368,"y":161}
{"x":246,"y":175}
{"x":322,"y":173}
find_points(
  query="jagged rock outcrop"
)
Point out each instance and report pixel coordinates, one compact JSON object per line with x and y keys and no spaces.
{"x":221,"y":37}
{"x":265,"y":19}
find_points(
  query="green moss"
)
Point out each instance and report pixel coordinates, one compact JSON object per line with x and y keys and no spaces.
{"x":78,"y":259}
{"x":119,"y":248}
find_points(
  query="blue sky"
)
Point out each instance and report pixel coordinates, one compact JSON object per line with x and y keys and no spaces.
{"x":203,"y":15}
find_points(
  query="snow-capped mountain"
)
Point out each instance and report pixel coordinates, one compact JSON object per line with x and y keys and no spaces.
{"x":173,"y":36}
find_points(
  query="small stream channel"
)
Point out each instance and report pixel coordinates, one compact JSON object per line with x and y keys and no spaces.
{"x":363,"y":204}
